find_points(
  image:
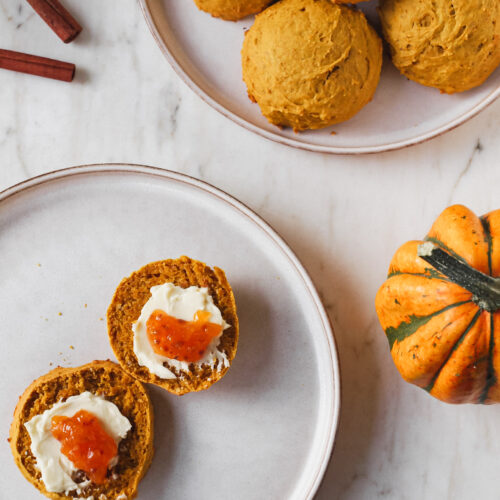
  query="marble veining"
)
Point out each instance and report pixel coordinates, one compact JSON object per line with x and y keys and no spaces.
{"x":343,"y":216}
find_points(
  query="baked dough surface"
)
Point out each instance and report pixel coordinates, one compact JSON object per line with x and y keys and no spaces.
{"x":232,"y":10}
{"x":311,"y":63}
{"x":453,"y":46}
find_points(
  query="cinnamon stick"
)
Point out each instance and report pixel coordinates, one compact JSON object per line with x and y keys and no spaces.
{"x":58,"y":18}
{"x":36,"y":65}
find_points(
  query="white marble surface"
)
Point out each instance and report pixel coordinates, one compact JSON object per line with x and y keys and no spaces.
{"x":343,"y":216}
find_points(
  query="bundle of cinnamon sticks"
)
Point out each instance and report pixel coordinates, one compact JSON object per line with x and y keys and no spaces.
{"x":64,"y":26}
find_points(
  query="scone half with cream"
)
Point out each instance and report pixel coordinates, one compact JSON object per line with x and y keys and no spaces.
{"x":84,"y":432}
{"x":173,"y":323}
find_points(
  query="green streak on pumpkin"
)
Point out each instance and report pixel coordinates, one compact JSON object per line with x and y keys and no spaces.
{"x":487,"y":231}
{"x":430,"y":273}
{"x":491,"y":377}
{"x":406,"y":329}
{"x":455,"y":347}
{"x":439,"y":243}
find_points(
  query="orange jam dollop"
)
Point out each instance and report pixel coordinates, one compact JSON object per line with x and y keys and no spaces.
{"x":85,"y":442}
{"x":179,"y":339}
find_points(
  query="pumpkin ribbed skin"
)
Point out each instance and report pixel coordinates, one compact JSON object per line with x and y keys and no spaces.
{"x":440,"y":338}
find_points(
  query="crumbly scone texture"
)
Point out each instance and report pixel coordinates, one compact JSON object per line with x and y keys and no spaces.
{"x":134,"y":291}
{"x":311,"y":63}
{"x":232,"y":10}
{"x":452,"y":46}
{"x":108,"y":380}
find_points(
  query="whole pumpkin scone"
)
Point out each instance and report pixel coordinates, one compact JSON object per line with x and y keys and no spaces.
{"x":311,"y":63}
{"x":452,"y":46}
{"x":173,"y":323}
{"x":232,"y":10}
{"x":84,"y":432}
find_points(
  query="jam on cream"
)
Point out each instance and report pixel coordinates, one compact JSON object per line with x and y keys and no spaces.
{"x":180,"y":339}
{"x":85,"y":442}
{"x":187,"y":326}
{"x":56,"y":468}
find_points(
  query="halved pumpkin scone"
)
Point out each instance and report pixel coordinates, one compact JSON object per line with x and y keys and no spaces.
{"x":84,"y":432}
{"x":173,"y":323}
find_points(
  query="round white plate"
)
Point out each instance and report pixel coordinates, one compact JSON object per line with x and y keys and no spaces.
{"x":205,"y":52}
{"x":67,"y":238}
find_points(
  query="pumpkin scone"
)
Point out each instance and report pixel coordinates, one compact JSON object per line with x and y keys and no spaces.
{"x":311,"y":63}
{"x":440,"y":308}
{"x":84,"y":432}
{"x":173,"y":323}
{"x":232,"y":10}
{"x":452,"y":46}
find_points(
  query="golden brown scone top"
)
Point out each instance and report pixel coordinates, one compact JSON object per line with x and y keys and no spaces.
{"x":453,"y":46}
{"x":232,"y":10}
{"x":311,"y":63}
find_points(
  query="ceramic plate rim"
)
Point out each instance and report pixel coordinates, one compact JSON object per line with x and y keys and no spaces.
{"x":348,"y":150}
{"x":128,"y":168}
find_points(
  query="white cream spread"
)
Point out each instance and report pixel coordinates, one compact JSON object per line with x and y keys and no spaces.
{"x":181,"y":303}
{"x":56,"y":468}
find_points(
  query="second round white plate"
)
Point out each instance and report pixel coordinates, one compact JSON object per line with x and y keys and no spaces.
{"x":67,"y":238}
{"x":205,"y":52}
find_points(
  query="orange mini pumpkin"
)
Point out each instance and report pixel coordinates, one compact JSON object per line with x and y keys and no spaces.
{"x":440,"y":308}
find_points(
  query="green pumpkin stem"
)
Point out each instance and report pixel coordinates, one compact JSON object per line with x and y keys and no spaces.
{"x":485,"y":289}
